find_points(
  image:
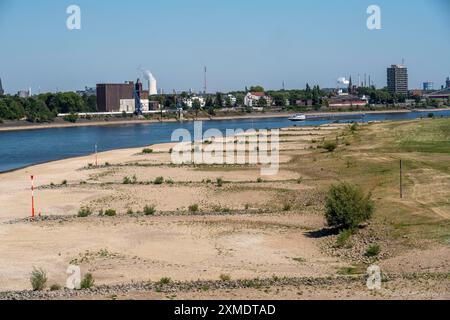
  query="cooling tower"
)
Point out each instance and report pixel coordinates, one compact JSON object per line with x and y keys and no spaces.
{"x":152,"y":87}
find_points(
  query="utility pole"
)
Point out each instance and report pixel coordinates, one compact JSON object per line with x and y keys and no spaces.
{"x":401,"y":179}
{"x":206,"y":83}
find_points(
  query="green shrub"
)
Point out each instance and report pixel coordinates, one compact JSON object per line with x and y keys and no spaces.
{"x":330,"y":146}
{"x":343,"y":238}
{"x":259,"y":180}
{"x":87,"y":282}
{"x":219,"y":182}
{"x":84,"y":212}
{"x":164,"y":281}
{"x":225,"y":277}
{"x":38,"y":279}
{"x":159,"y":180}
{"x":71,"y":118}
{"x":194,"y":208}
{"x":55,"y":287}
{"x":110,"y":213}
{"x":354,"y":127}
{"x":147,"y":151}
{"x":149,"y":210}
{"x":170,"y":181}
{"x":287,"y":207}
{"x":373,"y":251}
{"x":130,"y":212}
{"x":126,"y":180}
{"x":347,"y":206}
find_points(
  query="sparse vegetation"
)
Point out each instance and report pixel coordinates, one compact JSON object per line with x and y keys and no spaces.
{"x":159,"y":180}
{"x":84,"y":212}
{"x":149,"y":210}
{"x":347,"y":206}
{"x":373,"y":251}
{"x":344,"y":238}
{"x":88,"y":281}
{"x":330,"y":146}
{"x":55,"y":287}
{"x":38,"y":279}
{"x":110,"y":213}
{"x":225,"y":277}
{"x":164,"y":281}
{"x":194,"y":208}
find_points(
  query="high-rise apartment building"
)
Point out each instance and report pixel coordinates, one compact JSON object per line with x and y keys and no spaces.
{"x":397,"y":79}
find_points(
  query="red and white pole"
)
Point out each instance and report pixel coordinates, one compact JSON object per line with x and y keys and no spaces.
{"x":32,"y":197}
{"x":96,"y":156}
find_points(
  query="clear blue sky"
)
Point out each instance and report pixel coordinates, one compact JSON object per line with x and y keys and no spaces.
{"x":243,"y":42}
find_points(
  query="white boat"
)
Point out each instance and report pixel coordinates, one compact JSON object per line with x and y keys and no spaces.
{"x":298,"y":117}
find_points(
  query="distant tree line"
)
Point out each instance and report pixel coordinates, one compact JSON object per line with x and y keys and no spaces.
{"x":45,"y":107}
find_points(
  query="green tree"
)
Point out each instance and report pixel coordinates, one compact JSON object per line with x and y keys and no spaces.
{"x":347,"y":206}
{"x":262,"y":102}
{"x":257,"y":89}
{"x":219,"y":100}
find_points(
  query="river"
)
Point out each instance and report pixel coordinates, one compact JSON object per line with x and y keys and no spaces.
{"x":20,"y":149}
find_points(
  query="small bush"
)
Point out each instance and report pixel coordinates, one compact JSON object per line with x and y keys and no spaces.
{"x":87,"y":282}
{"x":149,"y":210}
{"x":373,"y":251}
{"x":38,"y":279}
{"x":170,"y":181}
{"x":130,"y":212}
{"x":287,"y":207}
{"x":219,"y":182}
{"x":194,"y":208}
{"x":110,"y":213}
{"x":64,"y":183}
{"x":159,"y":180}
{"x":259,"y":180}
{"x":55,"y":287}
{"x":343,"y":238}
{"x":126,"y":180}
{"x":147,"y":151}
{"x":347,"y":206}
{"x":71,"y":118}
{"x":84,"y":212}
{"x":225,"y":277}
{"x":354,"y":127}
{"x":330,"y":146}
{"x":164,"y":281}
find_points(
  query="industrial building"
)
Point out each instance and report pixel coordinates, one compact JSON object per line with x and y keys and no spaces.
{"x":397,"y":79}
{"x":2,"y":92}
{"x":443,"y":94}
{"x":428,"y":86}
{"x":346,"y":101}
{"x":121,"y":97}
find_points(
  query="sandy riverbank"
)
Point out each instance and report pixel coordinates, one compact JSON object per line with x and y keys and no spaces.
{"x":250,"y":227}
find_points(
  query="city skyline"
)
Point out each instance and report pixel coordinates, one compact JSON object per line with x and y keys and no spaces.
{"x":242,"y":45}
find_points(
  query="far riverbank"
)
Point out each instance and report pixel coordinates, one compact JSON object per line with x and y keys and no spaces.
{"x":60,"y":123}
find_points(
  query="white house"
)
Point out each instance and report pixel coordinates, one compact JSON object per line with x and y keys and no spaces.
{"x":189,"y":101}
{"x":252,"y":98}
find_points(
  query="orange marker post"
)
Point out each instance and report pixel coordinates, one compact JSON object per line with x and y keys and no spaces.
{"x":32,"y":197}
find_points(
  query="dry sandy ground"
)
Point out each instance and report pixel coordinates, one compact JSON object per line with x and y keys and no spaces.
{"x":259,"y":240}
